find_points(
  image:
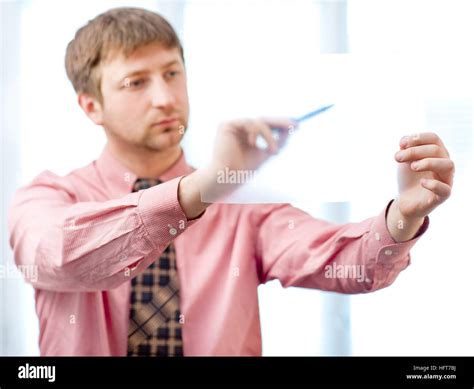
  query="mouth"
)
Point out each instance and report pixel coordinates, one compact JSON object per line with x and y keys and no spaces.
{"x":165,"y":122}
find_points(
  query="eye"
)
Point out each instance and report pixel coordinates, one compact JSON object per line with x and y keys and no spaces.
{"x":134,"y":83}
{"x":172,"y":73}
{"x":137,"y":82}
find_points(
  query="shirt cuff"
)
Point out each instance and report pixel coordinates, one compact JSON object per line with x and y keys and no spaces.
{"x":161,"y":212}
{"x":387,"y":251}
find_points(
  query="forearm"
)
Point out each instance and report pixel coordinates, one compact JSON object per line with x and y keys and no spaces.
{"x":401,"y":229}
{"x":91,"y":245}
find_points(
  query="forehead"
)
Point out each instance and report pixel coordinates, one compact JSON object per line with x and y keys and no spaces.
{"x":148,"y":57}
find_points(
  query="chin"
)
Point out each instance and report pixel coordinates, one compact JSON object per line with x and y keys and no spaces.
{"x":165,"y":141}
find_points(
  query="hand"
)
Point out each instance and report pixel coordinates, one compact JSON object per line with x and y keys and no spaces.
{"x":236,"y":152}
{"x":236,"y":142}
{"x":425,"y":174}
{"x":425,"y":180}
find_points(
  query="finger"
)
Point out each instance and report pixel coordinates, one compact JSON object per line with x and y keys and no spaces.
{"x":421,"y":138}
{"x":283,"y":126}
{"x":267,"y":134}
{"x":419,"y":152}
{"x":243,"y":129}
{"x":252,"y":138}
{"x":443,"y":167}
{"x":440,"y":189}
{"x":254,"y":128}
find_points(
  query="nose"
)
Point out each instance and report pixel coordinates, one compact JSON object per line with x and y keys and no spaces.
{"x":162,"y":95}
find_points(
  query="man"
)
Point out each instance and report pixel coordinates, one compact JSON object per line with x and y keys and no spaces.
{"x":130,"y":267}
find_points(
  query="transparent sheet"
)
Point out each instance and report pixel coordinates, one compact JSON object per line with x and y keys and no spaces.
{"x":346,"y":153}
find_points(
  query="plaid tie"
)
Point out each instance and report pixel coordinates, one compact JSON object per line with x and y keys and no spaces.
{"x":155,"y":328}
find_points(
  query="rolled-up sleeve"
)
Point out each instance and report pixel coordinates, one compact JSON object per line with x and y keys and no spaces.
{"x":300,"y":250}
{"x":87,"y":246}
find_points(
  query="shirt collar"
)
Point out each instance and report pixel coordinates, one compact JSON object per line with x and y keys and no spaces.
{"x":119,"y":180}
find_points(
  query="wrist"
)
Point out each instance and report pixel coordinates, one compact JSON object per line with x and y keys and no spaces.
{"x":189,"y":195}
{"x":401,"y":227}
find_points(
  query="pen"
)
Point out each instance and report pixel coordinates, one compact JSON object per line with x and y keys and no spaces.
{"x":261,"y":144}
{"x":313,"y":113}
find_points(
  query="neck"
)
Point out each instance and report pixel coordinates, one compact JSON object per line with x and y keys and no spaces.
{"x":145,"y":163}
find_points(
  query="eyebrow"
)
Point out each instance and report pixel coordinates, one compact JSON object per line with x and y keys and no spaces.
{"x":144,"y":71}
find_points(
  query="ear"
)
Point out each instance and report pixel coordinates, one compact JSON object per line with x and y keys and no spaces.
{"x":92,"y":107}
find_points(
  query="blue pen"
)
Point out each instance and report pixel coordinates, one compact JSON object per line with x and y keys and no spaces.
{"x":312,"y":114}
{"x":261,"y":144}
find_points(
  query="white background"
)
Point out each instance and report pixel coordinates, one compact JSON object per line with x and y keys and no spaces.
{"x":251,"y":58}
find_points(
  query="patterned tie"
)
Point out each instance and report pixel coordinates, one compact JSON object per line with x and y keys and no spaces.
{"x":155,"y":328}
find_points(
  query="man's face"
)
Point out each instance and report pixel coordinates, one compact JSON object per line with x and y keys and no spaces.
{"x":145,"y":98}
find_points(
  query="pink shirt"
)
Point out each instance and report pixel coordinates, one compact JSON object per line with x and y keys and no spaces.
{"x":86,"y":230}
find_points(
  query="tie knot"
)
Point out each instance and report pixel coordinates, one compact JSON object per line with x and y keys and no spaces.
{"x":145,"y":183}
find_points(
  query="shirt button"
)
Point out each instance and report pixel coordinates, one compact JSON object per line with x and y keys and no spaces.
{"x":377,"y":236}
{"x":388,"y":252}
